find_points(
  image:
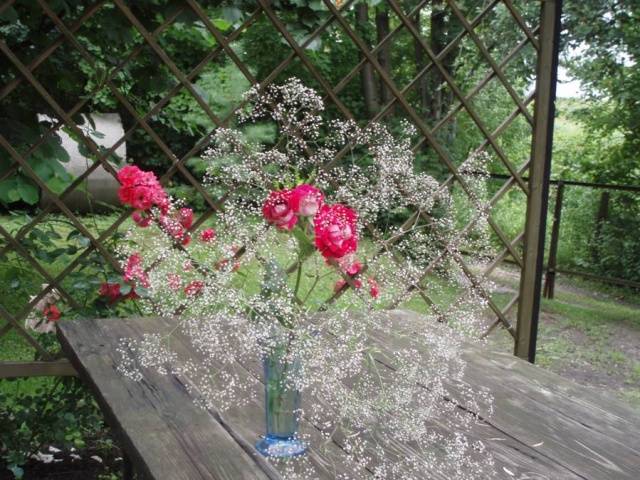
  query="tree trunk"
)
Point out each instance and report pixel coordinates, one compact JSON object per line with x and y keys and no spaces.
{"x":437,"y":41}
{"x":419,"y":60}
{"x":366,"y":74}
{"x":384,"y":55}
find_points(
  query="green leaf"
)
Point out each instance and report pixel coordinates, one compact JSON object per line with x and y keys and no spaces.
{"x":9,"y":15}
{"x":28,"y":191}
{"x":221,"y":24}
{"x":41,"y":166}
{"x":9,"y":190}
{"x":304,"y":242}
{"x":317,"y":5}
{"x":57,"y":184}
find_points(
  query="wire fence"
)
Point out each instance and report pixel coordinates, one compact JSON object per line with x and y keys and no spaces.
{"x":591,"y":232}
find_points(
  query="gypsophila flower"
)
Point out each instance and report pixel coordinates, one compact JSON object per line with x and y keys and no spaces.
{"x":338,"y":229}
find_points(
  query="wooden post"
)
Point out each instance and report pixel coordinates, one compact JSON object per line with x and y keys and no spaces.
{"x":550,"y":278}
{"x":534,"y":233}
{"x":601,"y":217}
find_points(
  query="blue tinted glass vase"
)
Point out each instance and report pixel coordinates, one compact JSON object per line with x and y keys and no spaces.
{"x":282,"y":407}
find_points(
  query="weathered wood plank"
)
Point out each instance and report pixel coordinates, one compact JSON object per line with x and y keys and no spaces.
{"x":543,"y":428}
{"x":329,"y":462}
{"x":55,"y":368}
{"x":591,"y":434}
{"x":510,"y":455}
{"x":248,"y":421}
{"x":164,"y":440}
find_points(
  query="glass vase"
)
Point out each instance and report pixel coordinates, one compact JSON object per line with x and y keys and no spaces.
{"x":282,"y":406}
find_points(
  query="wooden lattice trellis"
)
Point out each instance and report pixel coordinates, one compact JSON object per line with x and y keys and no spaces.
{"x":542,"y":38}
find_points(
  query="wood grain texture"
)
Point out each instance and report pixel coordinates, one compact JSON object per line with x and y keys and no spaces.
{"x":164,"y":433}
{"x":588,"y":432}
{"x":55,"y":368}
{"x":544,"y":427}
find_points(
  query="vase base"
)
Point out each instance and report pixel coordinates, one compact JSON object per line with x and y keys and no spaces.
{"x":271,"y":446}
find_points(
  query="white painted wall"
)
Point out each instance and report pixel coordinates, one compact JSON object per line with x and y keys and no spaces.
{"x":100,"y":185}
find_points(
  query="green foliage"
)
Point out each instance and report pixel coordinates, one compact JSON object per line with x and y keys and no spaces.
{"x":60,"y":412}
{"x":581,"y":154}
{"x":606,"y":36}
{"x":69,"y":78}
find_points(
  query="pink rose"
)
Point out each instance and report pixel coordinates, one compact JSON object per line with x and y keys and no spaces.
{"x":306,"y":200}
{"x":339,"y":285}
{"x":141,"y":189}
{"x":208,"y":235}
{"x":277,"y":210}
{"x":133,"y":270}
{"x":220,"y":264}
{"x":349,"y":265}
{"x":374,"y":288}
{"x":335,"y":231}
{"x":174,"y":281}
{"x":172,"y":227}
{"x":185,"y":217}
{"x":52,"y":313}
{"x":140,"y":219}
{"x":194,"y":288}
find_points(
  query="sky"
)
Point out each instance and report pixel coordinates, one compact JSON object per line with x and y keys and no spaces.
{"x":567,"y":86}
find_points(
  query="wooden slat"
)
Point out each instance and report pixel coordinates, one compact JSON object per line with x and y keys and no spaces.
{"x":166,"y":436}
{"x":328,"y":462}
{"x":543,"y":427}
{"x":588,"y":432}
{"x":36,"y":369}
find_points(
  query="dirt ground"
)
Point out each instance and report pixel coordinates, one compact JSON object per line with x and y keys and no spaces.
{"x":588,"y":333}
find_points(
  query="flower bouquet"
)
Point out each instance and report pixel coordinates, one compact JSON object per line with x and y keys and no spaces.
{"x":313,"y":238}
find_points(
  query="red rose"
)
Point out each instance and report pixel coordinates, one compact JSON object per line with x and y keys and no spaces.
{"x":140,"y":219}
{"x":194,"y":288}
{"x":133,"y":270}
{"x":52,"y":313}
{"x":110,"y":290}
{"x":141,"y":189}
{"x":349,"y":265}
{"x":185,"y":217}
{"x":335,"y":230}
{"x":277,"y":210}
{"x":208,"y":235}
{"x":374,"y":288}
{"x":306,"y":200}
{"x":339,"y":285}
{"x":172,"y":227}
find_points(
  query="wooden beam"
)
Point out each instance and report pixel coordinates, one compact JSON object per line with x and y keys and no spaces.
{"x":37,"y":369}
{"x":539,"y":174}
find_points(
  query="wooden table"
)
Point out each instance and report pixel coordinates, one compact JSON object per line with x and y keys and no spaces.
{"x":544,"y":426}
